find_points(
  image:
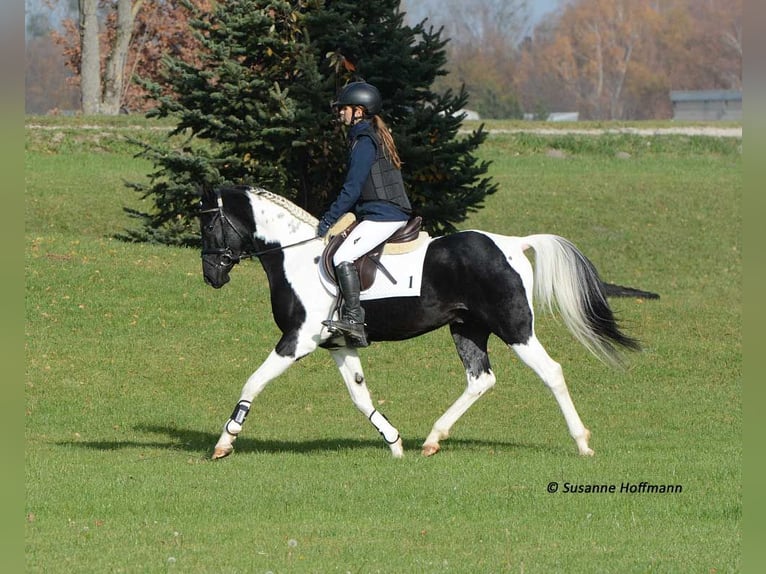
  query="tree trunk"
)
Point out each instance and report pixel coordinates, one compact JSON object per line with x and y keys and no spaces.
{"x":90,"y":64}
{"x":118,"y":56}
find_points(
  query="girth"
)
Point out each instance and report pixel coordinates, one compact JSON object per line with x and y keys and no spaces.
{"x":368,"y":264}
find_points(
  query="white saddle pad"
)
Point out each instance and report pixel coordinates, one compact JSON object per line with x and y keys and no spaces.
{"x":405,"y":268}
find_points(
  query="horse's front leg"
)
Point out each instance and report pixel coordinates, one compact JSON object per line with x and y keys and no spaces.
{"x":274,"y":365}
{"x":350,"y":368}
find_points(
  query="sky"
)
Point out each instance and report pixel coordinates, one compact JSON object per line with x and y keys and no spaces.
{"x":419,"y":9}
{"x":540,"y":8}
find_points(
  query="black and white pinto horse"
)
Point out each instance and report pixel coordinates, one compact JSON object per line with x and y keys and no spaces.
{"x":478,"y":283}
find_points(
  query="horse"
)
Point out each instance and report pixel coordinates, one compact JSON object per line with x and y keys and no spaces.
{"x":478,"y":283}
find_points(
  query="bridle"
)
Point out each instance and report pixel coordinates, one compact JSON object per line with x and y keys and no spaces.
{"x":227,"y":256}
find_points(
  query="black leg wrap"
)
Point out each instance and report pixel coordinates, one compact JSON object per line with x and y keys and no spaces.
{"x":240,"y":412}
{"x":238,"y":418}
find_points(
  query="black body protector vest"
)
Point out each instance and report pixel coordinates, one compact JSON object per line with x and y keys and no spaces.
{"x":385,"y":182}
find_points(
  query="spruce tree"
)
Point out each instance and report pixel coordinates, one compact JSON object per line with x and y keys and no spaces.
{"x":258,"y":112}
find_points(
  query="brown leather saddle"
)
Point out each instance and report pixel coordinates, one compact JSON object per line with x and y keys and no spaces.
{"x":369,"y":264}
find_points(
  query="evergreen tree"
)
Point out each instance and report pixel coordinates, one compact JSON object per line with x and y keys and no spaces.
{"x":258,"y":111}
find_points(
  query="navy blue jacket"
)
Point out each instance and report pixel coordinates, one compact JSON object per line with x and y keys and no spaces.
{"x":361,"y":157}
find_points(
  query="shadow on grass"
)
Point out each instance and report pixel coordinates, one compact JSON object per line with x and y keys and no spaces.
{"x":201,"y":443}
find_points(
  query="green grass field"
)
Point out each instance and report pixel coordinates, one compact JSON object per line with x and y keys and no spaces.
{"x":133,"y":364}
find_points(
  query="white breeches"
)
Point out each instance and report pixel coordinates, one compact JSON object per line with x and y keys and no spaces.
{"x":363,"y":238}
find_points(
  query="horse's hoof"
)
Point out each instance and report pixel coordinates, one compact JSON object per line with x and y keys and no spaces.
{"x":397,"y":448}
{"x":430,"y":449}
{"x":222,"y":452}
{"x":586,"y":452}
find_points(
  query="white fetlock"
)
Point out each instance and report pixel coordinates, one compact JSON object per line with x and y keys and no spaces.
{"x":582,"y":444}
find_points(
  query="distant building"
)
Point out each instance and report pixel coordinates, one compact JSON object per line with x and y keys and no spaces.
{"x":564,"y":117}
{"x":706,"y":105}
{"x":469,"y":114}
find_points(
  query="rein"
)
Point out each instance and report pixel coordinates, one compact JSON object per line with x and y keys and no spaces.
{"x":227,"y":255}
{"x":250,"y":255}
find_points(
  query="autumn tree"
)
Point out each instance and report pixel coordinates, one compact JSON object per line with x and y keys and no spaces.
{"x":161,"y":30}
{"x":46,"y":87}
{"x":702,"y":41}
{"x":540,"y":90}
{"x":102,"y":79}
{"x":596,"y":43}
{"x":482,"y":51}
{"x":115,"y":41}
{"x":619,"y":59}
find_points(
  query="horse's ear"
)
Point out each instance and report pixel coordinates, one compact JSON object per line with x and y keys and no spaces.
{"x":208,"y":196}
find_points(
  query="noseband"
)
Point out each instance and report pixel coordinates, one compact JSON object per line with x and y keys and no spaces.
{"x":228,"y":258}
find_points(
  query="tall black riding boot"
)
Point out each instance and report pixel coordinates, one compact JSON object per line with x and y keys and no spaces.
{"x":351,"y":323}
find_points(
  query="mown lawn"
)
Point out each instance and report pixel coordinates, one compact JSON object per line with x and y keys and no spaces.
{"x":133,"y":365}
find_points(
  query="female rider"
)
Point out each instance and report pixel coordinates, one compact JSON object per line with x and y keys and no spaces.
{"x":373,"y":189}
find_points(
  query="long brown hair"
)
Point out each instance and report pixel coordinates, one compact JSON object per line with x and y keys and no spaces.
{"x":389,"y":146}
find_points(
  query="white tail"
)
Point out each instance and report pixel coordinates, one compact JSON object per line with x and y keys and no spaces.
{"x":566,"y":280}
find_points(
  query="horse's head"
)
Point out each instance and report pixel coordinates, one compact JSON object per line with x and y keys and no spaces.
{"x":227,"y":228}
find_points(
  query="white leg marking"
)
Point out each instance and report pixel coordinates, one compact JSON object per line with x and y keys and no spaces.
{"x":536,"y":357}
{"x":272,"y":367}
{"x":350,"y":368}
{"x":475,"y":388}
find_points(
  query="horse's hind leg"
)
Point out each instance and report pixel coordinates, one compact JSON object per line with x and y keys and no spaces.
{"x":471,"y":343}
{"x":350,"y":368}
{"x":534,"y":355}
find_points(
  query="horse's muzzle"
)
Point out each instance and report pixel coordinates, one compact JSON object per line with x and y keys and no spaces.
{"x":216,"y":284}
{"x":215,"y":275}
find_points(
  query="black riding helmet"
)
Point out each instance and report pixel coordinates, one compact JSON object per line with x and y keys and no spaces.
{"x":360,"y":94}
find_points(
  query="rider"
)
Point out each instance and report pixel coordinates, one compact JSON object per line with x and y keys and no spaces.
{"x":374,"y":189}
